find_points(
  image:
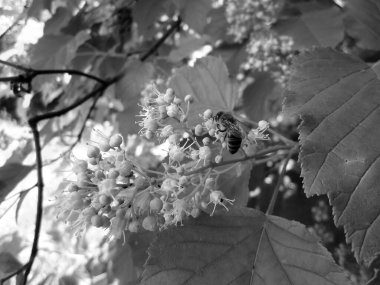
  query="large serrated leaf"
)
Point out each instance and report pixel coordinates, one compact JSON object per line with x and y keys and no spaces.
{"x":241,"y":247}
{"x":338,"y":98}
{"x":209,"y":83}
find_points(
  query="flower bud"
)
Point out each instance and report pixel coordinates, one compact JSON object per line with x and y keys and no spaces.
{"x":141,"y":183}
{"x":113,"y":174}
{"x":125,"y":168}
{"x":169,"y":95}
{"x":198,"y":130}
{"x":116,"y":140}
{"x":189,"y":98}
{"x":105,"y":200}
{"x":93,"y":161}
{"x":149,"y":135}
{"x":172,"y":110}
{"x":150,"y":223}
{"x":206,"y":141}
{"x":155,"y":205}
{"x":93,"y":151}
{"x":204,"y":152}
{"x":263,"y":125}
{"x":218,"y":158}
{"x":207,"y":114}
{"x":104,"y":146}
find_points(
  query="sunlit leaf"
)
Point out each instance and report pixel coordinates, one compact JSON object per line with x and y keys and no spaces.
{"x":10,"y":175}
{"x":362,"y":23}
{"x":60,"y":18}
{"x":241,"y":247}
{"x":56,"y":51}
{"x":338,"y":98}
{"x":209,"y":83}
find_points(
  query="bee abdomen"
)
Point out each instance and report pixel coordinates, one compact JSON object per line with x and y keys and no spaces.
{"x":233,"y":143}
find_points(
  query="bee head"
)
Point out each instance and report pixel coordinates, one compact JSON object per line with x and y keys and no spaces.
{"x":218,"y":116}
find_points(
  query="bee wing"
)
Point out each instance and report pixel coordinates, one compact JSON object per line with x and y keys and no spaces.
{"x":235,"y":130}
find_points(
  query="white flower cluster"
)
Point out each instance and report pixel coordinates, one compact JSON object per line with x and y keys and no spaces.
{"x":113,"y":191}
{"x":248,"y":16}
{"x":269,"y":52}
{"x":251,"y":20}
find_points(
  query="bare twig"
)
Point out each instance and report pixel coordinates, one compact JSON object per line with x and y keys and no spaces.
{"x":279,"y":181}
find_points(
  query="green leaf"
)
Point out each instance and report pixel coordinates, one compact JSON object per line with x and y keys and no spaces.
{"x":8,"y":264}
{"x":137,"y":75}
{"x":209,"y":83}
{"x":146,"y":13}
{"x":60,"y":18}
{"x":316,"y":26}
{"x":256,"y":96}
{"x":233,"y":55}
{"x":337,"y":97}
{"x":216,"y":29}
{"x":10,"y":175}
{"x":241,"y":247}
{"x":195,"y":14}
{"x":362,"y":23}
{"x":56,"y":51}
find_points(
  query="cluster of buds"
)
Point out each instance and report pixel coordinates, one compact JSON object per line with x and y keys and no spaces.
{"x":112,"y":190}
{"x":249,"y":16}
{"x":269,"y":52}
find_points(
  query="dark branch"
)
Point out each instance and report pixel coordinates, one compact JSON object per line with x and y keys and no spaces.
{"x":175,"y":26}
{"x":279,"y":181}
{"x":40,"y":186}
{"x":74,"y":105}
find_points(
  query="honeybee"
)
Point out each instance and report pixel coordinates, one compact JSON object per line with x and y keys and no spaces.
{"x":226,"y":123}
